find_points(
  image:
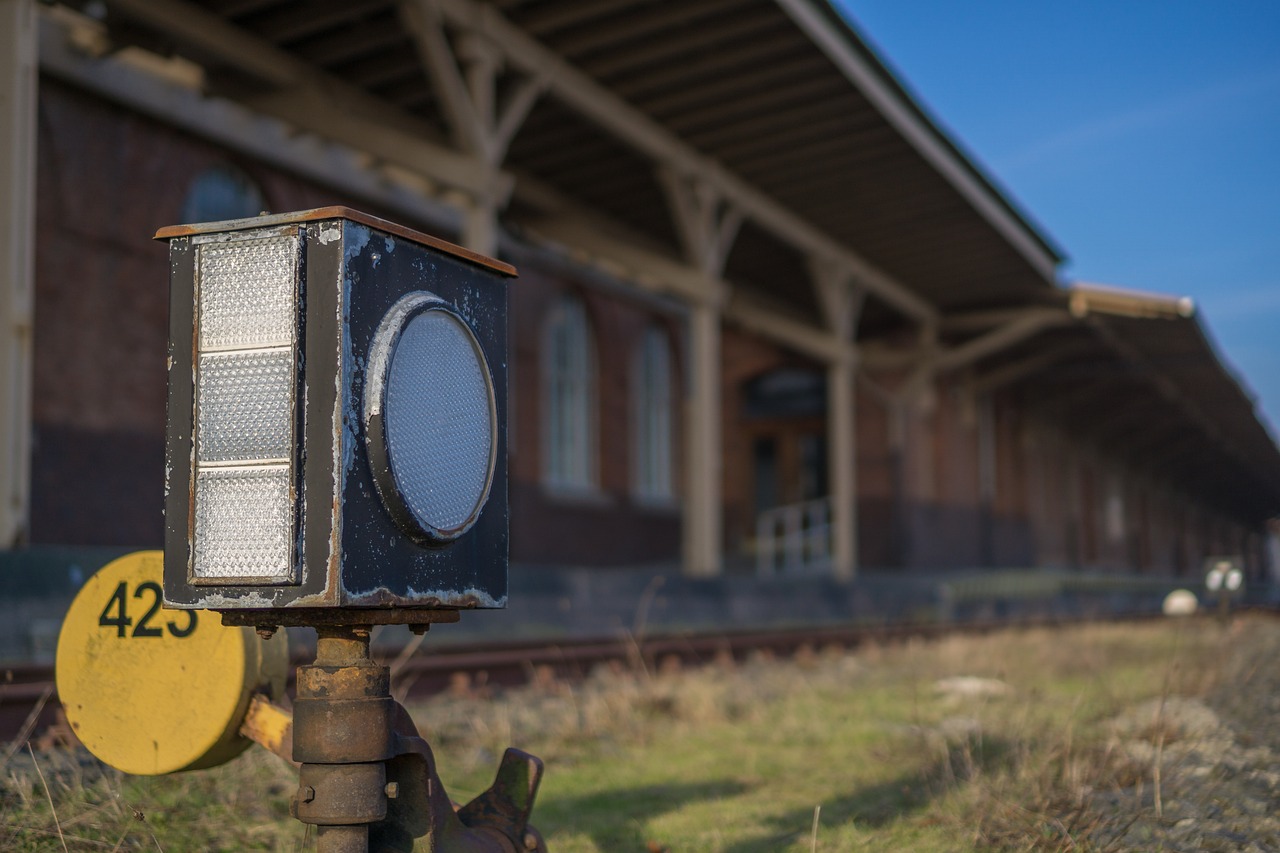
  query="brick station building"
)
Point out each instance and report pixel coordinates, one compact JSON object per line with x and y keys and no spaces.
{"x":770,"y":317}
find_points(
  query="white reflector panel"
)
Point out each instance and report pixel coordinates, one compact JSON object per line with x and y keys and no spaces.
{"x":243,"y":524}
{"x":245,"y":406}
{"x":246,"y":292}
{"x":244,"y":504}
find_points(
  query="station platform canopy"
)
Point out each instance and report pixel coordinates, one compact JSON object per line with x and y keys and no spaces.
{"x":787,"y":133}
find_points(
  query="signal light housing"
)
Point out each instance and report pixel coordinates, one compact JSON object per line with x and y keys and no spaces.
{"x":337,"y":424}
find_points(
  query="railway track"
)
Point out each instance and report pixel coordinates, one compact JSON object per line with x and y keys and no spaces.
{"x":29,"y":702}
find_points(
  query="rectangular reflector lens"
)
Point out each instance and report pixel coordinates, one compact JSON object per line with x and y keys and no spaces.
{"x":243,"y":523}
{"x":245,"y":406}
{"x":244,"y":526}
{"x":246,"y":292}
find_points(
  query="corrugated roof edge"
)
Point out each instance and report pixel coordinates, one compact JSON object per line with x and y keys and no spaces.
{"x":866,"y":47}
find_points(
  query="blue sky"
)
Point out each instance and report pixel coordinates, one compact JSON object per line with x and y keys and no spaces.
{"x":1144,"y":137}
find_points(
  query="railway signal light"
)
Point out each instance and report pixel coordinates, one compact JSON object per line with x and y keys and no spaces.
{"x":336,"y":433}
{"x":1224,"y":579}
{"x":335,"y":456}
{"x":1224,"y":576}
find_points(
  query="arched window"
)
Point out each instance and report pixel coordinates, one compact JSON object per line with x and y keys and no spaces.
{"x":652,"y":417}
{"x":569,"y":396}
{"x":222,"y":192}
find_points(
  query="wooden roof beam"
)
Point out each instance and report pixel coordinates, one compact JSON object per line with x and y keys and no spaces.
{"x":654,"y":17}
{"x":581,"y":235}
{"x":546,"y":21}
{"x":1016,"y":329}
{"x":705,"y":222}
{"x":286,"y":25}
{"x":619,"y":60}
{"x":312,"y":101}
{"x":348,"y":168}
{"x":637,"y":86}
{"x":1025,"y":368}
{"x":465,"y":77}
{"x":731,"y":84}
{"x":620,"y":118}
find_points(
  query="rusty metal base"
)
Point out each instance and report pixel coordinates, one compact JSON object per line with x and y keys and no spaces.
{"x":368,"y":780}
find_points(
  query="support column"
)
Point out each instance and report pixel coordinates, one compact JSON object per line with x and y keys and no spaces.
{"x":464,"y":74}
{"x":900,"y":524}
{"x":988,"y":459}
{"x":18,"y":75}
{"x":841,"y":302}
{"x":842,"y":454}
{"x":703,"y":513}
{"x":480,"y":227}
{"x":707,"y":227}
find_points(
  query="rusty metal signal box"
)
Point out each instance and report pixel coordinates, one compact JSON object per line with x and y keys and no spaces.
{"x":336,"y":443}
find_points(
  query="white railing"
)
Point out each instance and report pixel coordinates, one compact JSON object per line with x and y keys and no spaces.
{"x":794,"y":538}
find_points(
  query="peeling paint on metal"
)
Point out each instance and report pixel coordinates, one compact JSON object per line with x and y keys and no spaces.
{"x":357,"y":239}
{"x":466,"y":599}
{"x":255,"y":600}
{"x":329,"y":235}
{"x":384,"y":343}
{"x":237,"y":236}
{"x":343,"y":453}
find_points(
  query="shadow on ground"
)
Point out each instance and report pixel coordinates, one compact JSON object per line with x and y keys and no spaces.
{"x":875,"y":806}
{"x":617,"y":819}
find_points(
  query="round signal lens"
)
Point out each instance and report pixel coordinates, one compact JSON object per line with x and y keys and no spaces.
{"x":430,"y":419}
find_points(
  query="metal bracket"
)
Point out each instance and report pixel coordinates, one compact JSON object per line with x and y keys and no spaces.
{"x":496,"y":820}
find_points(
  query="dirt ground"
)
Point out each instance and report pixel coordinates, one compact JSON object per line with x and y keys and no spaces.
{"x":1219,"y":759}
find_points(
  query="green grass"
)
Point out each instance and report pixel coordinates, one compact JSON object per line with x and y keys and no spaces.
{"x":739,"y":761}
{"x":239,"y":806}
{"x":730,"y":759}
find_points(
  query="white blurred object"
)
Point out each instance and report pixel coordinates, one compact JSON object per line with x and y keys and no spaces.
{"x":1180,"y":602}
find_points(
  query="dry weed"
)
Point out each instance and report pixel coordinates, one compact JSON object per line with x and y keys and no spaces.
{"x":1048,"y":740}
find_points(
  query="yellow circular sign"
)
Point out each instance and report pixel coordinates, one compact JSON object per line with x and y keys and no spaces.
{"x":152,"y":691}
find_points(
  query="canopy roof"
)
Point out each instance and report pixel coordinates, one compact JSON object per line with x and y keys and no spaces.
{"x":780,"y":97}
{"x":1138,"y":376}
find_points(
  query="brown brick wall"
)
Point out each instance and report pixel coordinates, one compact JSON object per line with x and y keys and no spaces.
{"x":609,"y":527}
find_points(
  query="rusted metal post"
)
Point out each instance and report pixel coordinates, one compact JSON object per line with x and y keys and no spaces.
{"x":342,"y":839}
{"x":342,"y":736}
{"x":1224,"y":605}
{"x":368,"y":780}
